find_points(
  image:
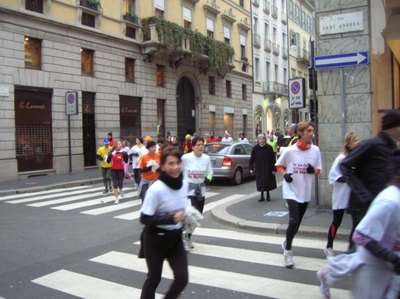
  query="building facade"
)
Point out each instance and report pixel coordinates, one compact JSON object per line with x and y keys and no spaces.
{"x":354,"y":98}
{"x":270,"y":60}
{"x":74,"y":70}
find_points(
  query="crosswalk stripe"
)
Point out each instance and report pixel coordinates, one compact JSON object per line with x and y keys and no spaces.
{"x":30,"y":194}
{"x":88,"y":287}
{"x":112,"y":208}
{"x":267,"y":239}
{"x":255,"y":285}
{"x":32,"y":197}
{"x":211,"y":205}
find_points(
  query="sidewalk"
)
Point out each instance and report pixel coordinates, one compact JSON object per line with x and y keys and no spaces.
{"x":245,"y":212}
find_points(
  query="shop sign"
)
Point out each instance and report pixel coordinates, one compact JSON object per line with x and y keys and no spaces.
{"x":341,"y":23}
{"x":4,"y":91}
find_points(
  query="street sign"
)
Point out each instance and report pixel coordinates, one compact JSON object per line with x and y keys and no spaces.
{"x":71,"y":103}
{"x":341,"y":60}
{"x":296,"y":93}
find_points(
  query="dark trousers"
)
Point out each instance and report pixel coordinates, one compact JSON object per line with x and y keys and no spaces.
{"x":106,"y":175}
{"x":296,"y":213}
{"x":117,"y":177}
{"x":336,"y":222}
{"x":356,"y":219}
{"x":158,"y":246}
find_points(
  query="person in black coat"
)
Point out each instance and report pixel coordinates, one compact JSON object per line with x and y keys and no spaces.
{"x":365,"y":168}
{"x":262,"y":164}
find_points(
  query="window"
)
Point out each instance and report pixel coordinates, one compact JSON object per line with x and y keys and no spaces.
{"x":160,"y":75}
{"x":129,"y":6}
{"x":266,"y":31}
{"x":255,"y":25}
{"x":228,"y":88}
{"x":34,"y":5}
{"x":268,"y":71}
{"x":130,"y":32}
{"x":210,"y":28}
{"x":129,"y":70}
{"x":88,"y":20}
{"x":257,"y":70}
{"x":276,"y":78}
{"x":242,"y":46}
{"x":284,"y":40}
{"x":291,"y":11}
{"x":285,"y":76}
{"x":33,"y":49}
{"x":87,"y":62}
{"x":159,"y":8}
{"x":244,"y":92}
{"x":211,"y":85}
{"x":187,"y":18}
{"x":293,"y":73}
{"x":227,"y":35}
{"x":241,"y":3}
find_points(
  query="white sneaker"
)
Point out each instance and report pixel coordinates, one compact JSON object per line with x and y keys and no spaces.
{"x":116,"y":201}
{"x":288,"y":258}
{"x":135,"y":186}
{"x":324,"y":288}
{"x":328,"y":252}
{"x":122,"y":194}
{"x":191,"y":245}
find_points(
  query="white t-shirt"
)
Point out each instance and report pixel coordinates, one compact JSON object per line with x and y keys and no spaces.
{"x":195,"y":169}
{"x":162,"y":200}
{"x":341,"y":191}
{"x":296,"y":161}
{"x":228,"y":139}
{"x":244,"y":140}
{"x":141,"y":151}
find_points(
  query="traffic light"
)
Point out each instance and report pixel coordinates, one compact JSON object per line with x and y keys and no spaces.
{"x":312,"y":73}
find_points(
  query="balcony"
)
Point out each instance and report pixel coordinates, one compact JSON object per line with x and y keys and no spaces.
{"x":256,"y":3}
{"x":284,"y":18}
{"x":131,"y":17}
{"x":256,"y":40}
{"x":274,"y":13}
{"x":244,"y":25}
{"x":303,"y":57}
{"x":90,"y":4}
{"x":169,"y":41}
{"x":244,"y":59}
{"x":275,"y":49}
{"x":212,"y":7}
{"x":285,"y":53}
{"x":275,"y":88}
{"x":267,"y":45}
{"x":228,"y":16}
{"x":267,"y":7}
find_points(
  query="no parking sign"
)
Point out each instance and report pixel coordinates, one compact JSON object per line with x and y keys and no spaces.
{"x":71,"y":103}
{"x":297,"y":93}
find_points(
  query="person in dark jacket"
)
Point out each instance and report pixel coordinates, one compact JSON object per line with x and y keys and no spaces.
{"x":365,"y":168}
{"x":262,"y":164}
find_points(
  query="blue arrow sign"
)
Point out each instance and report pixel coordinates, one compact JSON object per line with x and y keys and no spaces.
{"x":341,"y":60}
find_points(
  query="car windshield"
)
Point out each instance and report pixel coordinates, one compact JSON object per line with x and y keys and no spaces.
{"x":216,"y":148}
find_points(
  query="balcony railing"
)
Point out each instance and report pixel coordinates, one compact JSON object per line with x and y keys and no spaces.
{"x":90,"y":4}
{"x":275,"y":49}
{"x":275,"y":88}
{"x":267,"y":7}
{"x":131,"y":18}
{"x":274,"y":11}
{"x":256,"y":3}
{"x":284,"y":53}
{"x":284,"y":18}
{"x":267,"y":45}
{"x":256,"y":40}
{"x":303,"y":57}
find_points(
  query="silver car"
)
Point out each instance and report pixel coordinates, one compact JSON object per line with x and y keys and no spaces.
{"x":229,"y":160}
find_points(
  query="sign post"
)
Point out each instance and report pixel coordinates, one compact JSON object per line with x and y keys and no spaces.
{"x":71,"y":108}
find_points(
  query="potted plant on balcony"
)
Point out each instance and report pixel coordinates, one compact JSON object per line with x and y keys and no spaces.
{"x":92,"y":4}
{"x":131,"y":17}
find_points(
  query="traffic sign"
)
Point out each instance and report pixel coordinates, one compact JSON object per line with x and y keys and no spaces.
{"x":341,"y":60}
{"x":296,"y":93}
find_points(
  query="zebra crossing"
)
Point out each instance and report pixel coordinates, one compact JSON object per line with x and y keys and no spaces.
{"x":203,"y":273}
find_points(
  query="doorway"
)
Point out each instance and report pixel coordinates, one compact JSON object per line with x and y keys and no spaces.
{"x":185,"y":107}
{"x":88,"y":129}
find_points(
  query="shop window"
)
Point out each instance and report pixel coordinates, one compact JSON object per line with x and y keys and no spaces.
{"x":88,"y":20}
{"x":160,"y":75}
{"x":129,"y":118}
{"x":129,"y":69}
{"x":34,"y":5}
{"x":87,"y":62}
{"x":130,"y":32}
{"x":228,"y":89}
{"x":244,"y":92}
{"x":32,"y":53}
{"x":211,"y":85}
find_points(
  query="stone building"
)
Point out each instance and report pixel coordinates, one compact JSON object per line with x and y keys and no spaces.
{"x":354,"y":98}
{"x":133,"y":68}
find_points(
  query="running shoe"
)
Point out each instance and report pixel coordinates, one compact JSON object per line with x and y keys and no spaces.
{"x":122,"y":194}
{"x":324,"y":288}
{"x":105,"y":191}
{"x":328,"y":252}
{"x":116,"y":201}
{"x":287,"y":256}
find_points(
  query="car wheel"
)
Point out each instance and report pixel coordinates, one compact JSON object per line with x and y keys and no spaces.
{"x":237,"y":177}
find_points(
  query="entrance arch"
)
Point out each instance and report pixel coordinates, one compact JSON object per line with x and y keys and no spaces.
{"x":185,"y":108}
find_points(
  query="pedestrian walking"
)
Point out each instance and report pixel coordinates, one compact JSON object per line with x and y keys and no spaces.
{"x":298,"y":165}
{"x":227,"y":137}
{"x":118,"y":158}
{"x":243,"y":139}
{"x":341,"y":191}
{"x":105,"y":167}
{"x":365,"y":168}
{"x":135,"y":153}
{"x":376,"y":263}
{"x":162,"y":214}
{"x":262,"y":164}
{"x":197,"y":171}
{"x":125,"y":147}
{"x":149,"y":168}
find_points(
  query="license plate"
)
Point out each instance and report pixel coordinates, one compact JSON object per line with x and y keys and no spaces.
{"x":213,"y":162}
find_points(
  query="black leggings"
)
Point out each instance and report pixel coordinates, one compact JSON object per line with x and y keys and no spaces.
{"x":117,"y":177}
{"x":136,"y":175}
{"x":296,"y":213}
{"x":199,"y":205}
{"x":336,"y":222}
{"x":356,"y":219}
{"x":157,"y":247}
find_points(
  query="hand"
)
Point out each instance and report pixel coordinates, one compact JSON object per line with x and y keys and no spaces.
{"x":288,"y":177}
{"x":178,"y":217}
{"x":251,"y":171}
{"x":310,"y":169}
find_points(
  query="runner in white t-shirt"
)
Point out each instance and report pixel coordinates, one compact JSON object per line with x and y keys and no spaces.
{"x":298,"y":165}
